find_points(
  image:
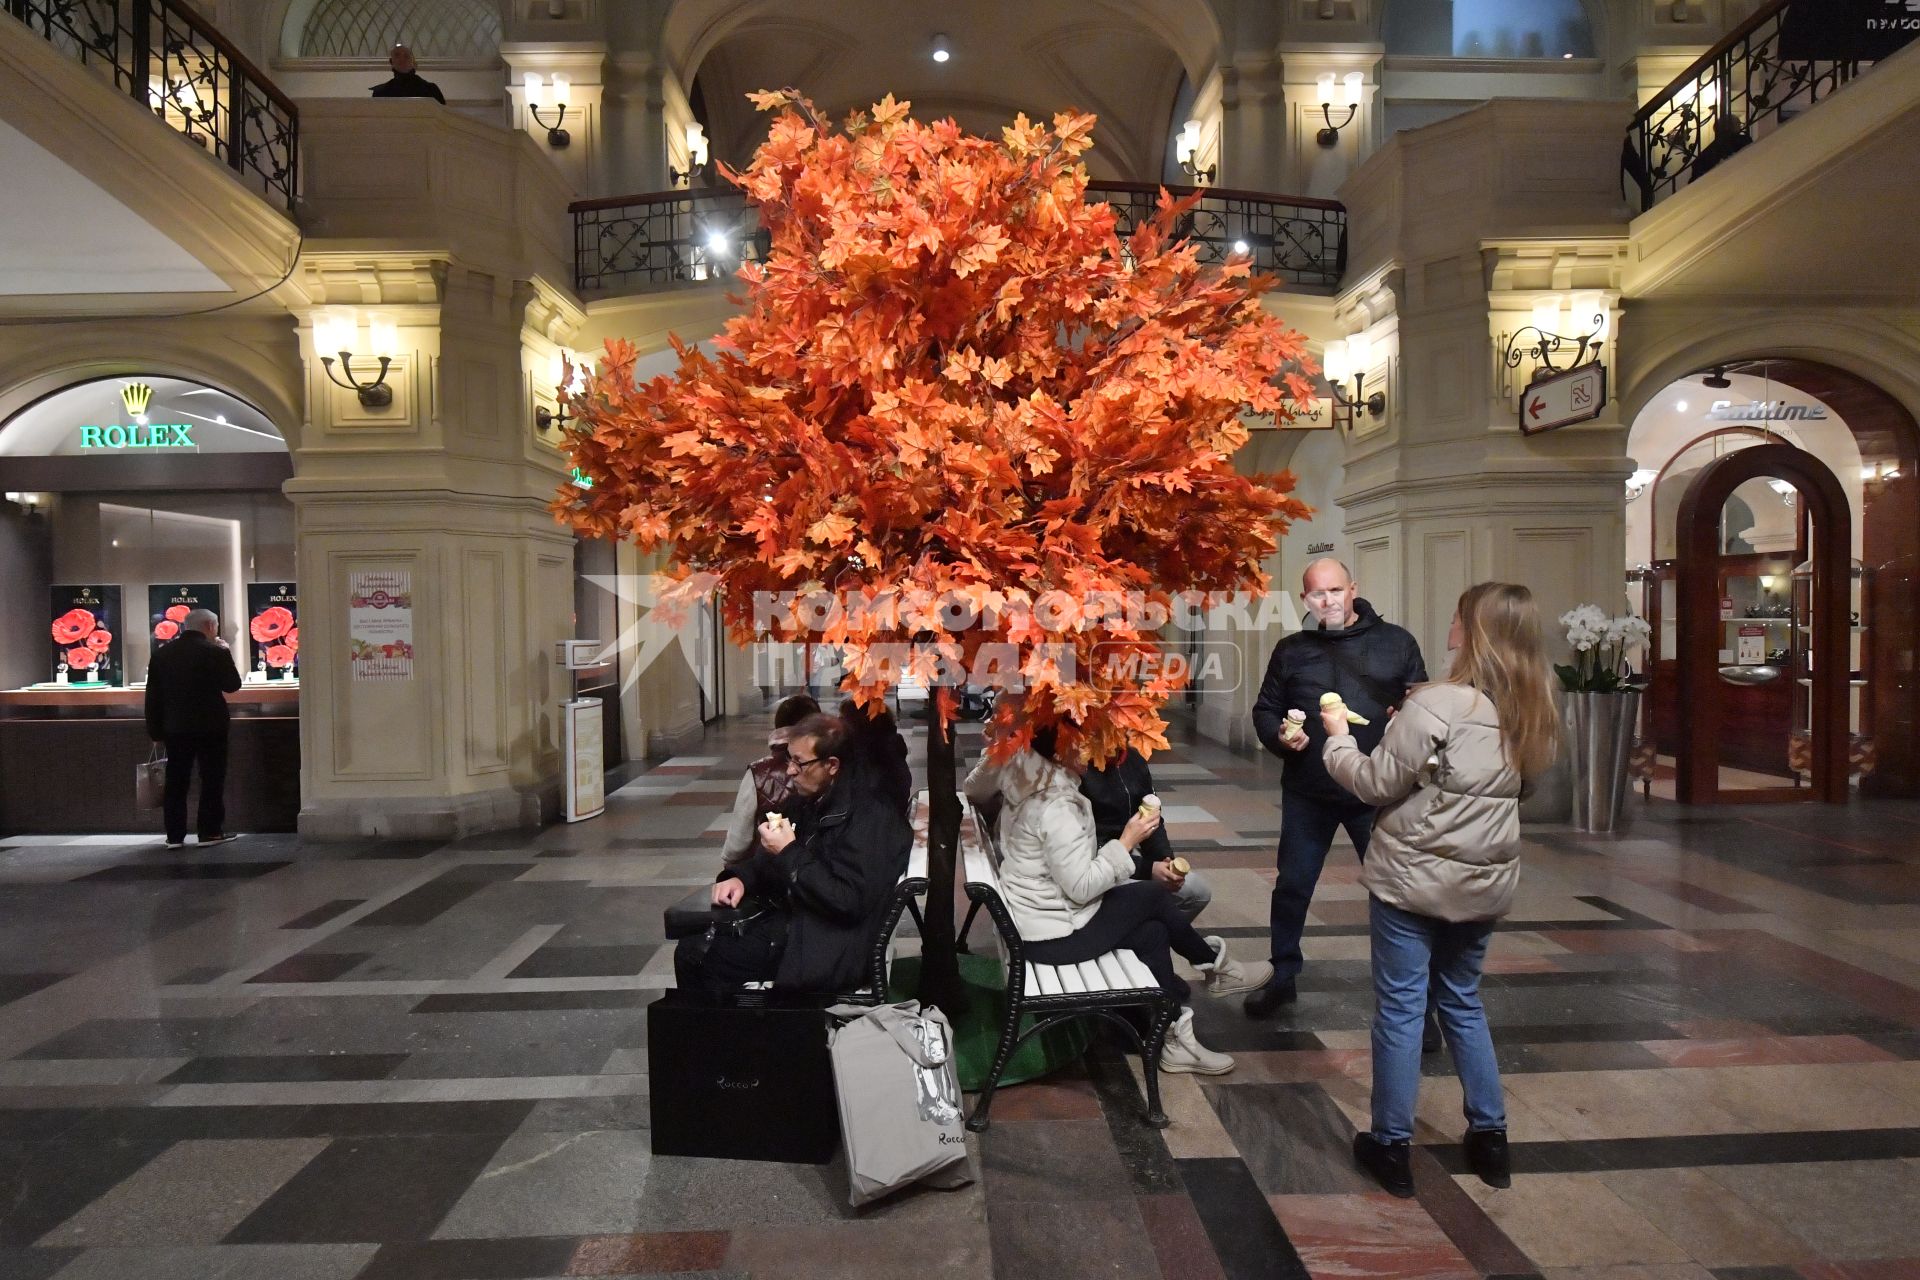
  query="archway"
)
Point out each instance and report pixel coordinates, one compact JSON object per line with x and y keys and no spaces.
{"x":1868,"y":441}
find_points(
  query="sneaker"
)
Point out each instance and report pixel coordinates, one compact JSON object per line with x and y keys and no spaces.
{"x":1390,"y":1163}
{"x":219,"y":839}
{"x":176,"y":844}
{"x":1488,"y":1157}
{"x":1270,"y":999}
{"x":1228,"y":977}
{"x":1184,"y":1053}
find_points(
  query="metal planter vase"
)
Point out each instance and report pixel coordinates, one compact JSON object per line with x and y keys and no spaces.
{"x":1600,"y":730}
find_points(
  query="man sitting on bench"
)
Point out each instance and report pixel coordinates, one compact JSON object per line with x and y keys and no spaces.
{"x":812,"y":899}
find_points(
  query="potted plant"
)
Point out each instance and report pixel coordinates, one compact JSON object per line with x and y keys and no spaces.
{"x":1603,"y":706}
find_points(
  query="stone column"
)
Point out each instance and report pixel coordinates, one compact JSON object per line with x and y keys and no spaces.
{"x":448,"y":484}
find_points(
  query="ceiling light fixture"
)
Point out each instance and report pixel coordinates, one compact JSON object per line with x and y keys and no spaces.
{"x":940,"y":50}
{"x":1717,"y":379}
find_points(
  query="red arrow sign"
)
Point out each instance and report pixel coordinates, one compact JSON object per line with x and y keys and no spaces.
{"x":1534,"y":409}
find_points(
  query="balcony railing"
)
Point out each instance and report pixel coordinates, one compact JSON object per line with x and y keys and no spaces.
{"x":1766,"y":71}
{"x":172,"y":62}
{"x":637,"y":243}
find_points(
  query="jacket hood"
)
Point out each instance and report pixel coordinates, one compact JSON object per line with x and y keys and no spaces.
{"x":1029,"y":773}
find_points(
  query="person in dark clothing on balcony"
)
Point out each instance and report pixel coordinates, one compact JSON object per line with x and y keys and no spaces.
{"x":186,"y":708}
{"x":817,"y":890}
{"x":407,"y":81}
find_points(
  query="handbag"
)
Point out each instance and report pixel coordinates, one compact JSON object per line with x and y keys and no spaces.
{"x":150,"y":780}
{"x":900,"y":1113}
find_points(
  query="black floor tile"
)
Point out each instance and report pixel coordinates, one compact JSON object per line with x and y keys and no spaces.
{"x":42,"y":1184}
{"x":287,"y":1067}
{"x":324,"y":912}
{"x":186,"y":871}
{"x":427,"y":903}
{"x":1700,"y":1150}
{"x":1239,"y":1222}
{"x":313,"y":966}
{"x":585,"y":962}
{"x":371,"y":1189}
{"x":405,"y":1118}
{"x":14,"y":986}
{"x":34,"y":1264}
{"x":1142,"y":1149}
{"x":525,"y":1001}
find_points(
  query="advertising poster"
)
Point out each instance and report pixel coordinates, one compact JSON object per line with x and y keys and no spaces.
{"x":273,"y":630}
{"x":168,"y":605}
{"x":586,"y":747}
{"x":86,"y":634}
{"x":380,"y":624}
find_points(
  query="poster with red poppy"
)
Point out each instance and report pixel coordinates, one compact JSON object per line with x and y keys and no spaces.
{"x":169,"y":603}
{"x":273,"y":629}
{"x":84,"y":631}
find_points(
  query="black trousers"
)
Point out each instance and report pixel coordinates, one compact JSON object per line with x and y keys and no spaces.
{"x":1139,"y":916}
{"x":708,"y":965}
{"x":184,"y":750}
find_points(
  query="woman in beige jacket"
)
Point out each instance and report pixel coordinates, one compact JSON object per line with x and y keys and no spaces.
{"x":1448,"y":777}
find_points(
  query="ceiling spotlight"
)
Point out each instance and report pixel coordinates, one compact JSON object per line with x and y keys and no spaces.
{"x":940,"y":50}
{"x":1240,"y":246}
{"x":1680,"y":406}
{"x":1718,"y":379}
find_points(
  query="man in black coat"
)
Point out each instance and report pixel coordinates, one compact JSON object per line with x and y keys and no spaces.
{"x":407,"y":81}
{"x":1371,"y":664}
{"x":1115,"y":791}
{"x":187,"y":681}
{"x":817,"y":896}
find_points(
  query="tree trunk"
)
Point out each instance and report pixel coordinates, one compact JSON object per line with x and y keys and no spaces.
{"x":939,"y":958}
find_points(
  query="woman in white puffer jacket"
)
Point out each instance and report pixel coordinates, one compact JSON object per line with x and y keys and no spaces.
{"x":1073,"y":898}
{"x":1443,"y":863}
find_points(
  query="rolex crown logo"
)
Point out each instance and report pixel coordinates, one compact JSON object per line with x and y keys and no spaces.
{"x":136,"y":396}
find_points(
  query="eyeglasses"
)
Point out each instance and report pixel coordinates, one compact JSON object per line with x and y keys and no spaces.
{"x":796,"y":763}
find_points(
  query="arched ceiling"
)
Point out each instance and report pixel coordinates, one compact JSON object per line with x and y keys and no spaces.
{"x":1122,"y":61}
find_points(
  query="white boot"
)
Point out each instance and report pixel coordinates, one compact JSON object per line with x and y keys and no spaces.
{"x":1185,"y":1053}
{"x":1228,"y":977}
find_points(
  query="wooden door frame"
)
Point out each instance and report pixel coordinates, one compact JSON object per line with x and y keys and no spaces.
{"x":1698,"y":541}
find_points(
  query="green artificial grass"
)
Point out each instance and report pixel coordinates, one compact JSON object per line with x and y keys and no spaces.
{"x":976,"y":1029}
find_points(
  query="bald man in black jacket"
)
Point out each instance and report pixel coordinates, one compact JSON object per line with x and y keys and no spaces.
{"x":187,"y":683}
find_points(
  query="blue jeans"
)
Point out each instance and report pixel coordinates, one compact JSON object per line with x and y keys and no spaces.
{"x":1407,"y":948}
{"x":1307,"y":825}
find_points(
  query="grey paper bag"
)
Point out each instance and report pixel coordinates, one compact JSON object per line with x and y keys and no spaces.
{"x":900,"y":1112}
{"x":150,"y":780}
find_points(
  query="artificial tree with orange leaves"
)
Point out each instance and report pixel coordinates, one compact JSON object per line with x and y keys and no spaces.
{"x":960,"y":405}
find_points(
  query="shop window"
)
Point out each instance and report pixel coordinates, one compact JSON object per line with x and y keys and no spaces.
{"x":1487,"y":29}
{"x":433,"y":29}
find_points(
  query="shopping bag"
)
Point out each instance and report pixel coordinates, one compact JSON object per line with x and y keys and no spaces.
{"x":150,"y":780}
{"x":900,"y":1114}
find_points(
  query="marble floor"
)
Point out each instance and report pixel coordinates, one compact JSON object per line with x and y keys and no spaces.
{"x":425,"y":1061}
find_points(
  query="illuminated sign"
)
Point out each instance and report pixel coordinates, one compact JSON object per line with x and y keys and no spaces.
{"x":1766,"y":411}
{"x":581,"y":479}
{"x":158,"y":435}
{"x":136,"y":396}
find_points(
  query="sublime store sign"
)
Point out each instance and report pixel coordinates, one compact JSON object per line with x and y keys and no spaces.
{"x":1765,"y":411}
{"x":140,"y":434}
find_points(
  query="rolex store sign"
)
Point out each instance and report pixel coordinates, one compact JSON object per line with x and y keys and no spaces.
{"x":138,"y":432}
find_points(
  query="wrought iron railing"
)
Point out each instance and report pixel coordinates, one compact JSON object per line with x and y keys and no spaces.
{"x":175,"y":64}
{"x":672,"y":238}
{"x":1763,"y":73}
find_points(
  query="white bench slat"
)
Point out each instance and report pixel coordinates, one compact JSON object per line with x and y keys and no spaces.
{"x":1045,"y":978}
{"x":1070,"y":979}
{"x":1139,"y":976}
{"x":1090,"y":975}
{"x":1111,"y":970}
{"x":980,"y":868}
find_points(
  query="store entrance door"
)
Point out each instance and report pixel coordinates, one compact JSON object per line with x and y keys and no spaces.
{"x":1767,"y":630}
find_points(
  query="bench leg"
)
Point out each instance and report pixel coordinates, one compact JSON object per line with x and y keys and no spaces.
{"x":1163,"y":1016}
{"x":960,"y":942}
{"x":1002,"y":1055}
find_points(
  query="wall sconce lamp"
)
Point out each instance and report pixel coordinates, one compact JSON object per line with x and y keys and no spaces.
{"x":569,"y":377}
{"x":696,"y":157}
{"x":337,"y":332}
{"x":1547,"y":340}
{"x":557,"y":137}
{"x":1354,"y":86}
{"x":1638,"y":483}
{"x":1346,"y":361}
{"x":1187,"y":151}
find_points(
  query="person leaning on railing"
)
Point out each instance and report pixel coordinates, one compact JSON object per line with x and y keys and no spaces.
{"x":407,"y":81}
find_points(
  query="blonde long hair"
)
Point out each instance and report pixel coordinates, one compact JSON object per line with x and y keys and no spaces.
{"x":1501,"y":655}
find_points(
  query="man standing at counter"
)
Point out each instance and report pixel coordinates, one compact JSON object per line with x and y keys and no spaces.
{"x":187,"y":684}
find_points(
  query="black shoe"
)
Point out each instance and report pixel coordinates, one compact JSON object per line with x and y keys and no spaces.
{"x":1487,"y":1156}
{"x":1390,"y":1163}
{"x":1431,"y":1041}
{"x":1269,"y":999}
